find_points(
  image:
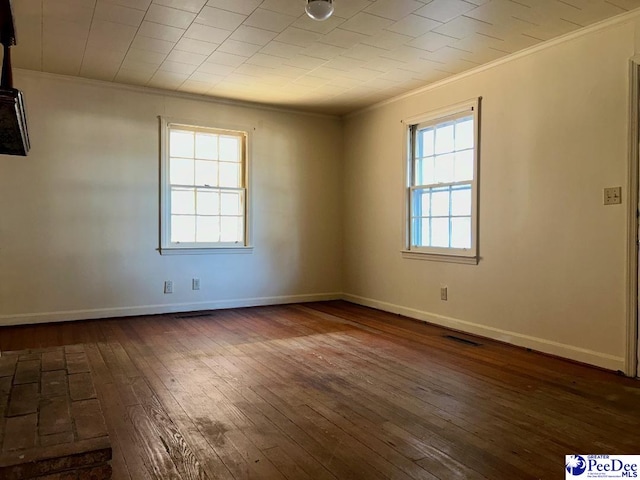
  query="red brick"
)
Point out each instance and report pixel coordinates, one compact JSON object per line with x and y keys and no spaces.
{"x":56,"y":439}
{"x":54,"y":383}
{"x":77,"y":363}
{"x":27,"y":372}
{"x":20,"y":432}
{"x":7,"y":365}
{"x":23,"y":400}
{"x":5,"y":385}
{"x":88,"y":419}
{"x":78,"y":348}
{"x":54,"y":416}
{"x":53,"y":360}
{"x":81,"y":386}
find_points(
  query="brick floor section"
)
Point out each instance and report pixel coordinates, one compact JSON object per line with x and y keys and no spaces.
{"x":51,"y":424}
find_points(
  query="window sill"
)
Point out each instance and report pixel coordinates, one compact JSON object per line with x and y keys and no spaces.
{"x":205,"y":251}
{"x":437,"y":257}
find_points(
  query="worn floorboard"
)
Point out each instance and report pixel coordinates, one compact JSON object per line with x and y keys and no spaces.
{"x":332,"y":390}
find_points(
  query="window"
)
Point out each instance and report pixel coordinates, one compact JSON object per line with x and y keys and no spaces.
{"x":204,"y":188}
{"x":442,"y":185}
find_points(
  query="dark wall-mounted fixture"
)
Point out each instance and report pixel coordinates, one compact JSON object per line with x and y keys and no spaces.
{"x":14,"y":136}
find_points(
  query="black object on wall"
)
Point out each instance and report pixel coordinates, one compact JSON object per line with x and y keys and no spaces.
{"x":14,"y":136}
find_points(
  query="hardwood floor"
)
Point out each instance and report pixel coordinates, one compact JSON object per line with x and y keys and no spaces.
{"x":337,"y":391}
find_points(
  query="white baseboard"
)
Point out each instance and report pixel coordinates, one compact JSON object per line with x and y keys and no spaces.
{"x":90,"y":314}
{"x":603,"y":360}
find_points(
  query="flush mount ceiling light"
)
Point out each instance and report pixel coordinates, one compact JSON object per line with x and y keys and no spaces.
{"x":319,"y":9}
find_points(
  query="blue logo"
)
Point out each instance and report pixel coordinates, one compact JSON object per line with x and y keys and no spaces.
{"x":576,"y":465}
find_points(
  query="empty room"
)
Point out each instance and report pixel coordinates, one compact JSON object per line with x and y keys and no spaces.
{"x":319,"y":239}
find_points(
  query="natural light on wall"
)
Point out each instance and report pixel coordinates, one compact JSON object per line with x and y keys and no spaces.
{"x":205,"y":192}
{"x":442,"y":171}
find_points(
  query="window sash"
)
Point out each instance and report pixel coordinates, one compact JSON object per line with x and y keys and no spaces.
{"x":168,"y":188}
{"x":415,"y":185}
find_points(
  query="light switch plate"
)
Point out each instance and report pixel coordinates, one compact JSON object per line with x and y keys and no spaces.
{"x":612,"y":195}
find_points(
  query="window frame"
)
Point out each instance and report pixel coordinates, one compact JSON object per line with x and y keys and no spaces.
{"x":201,"y":248}
{"x":410,"y":127}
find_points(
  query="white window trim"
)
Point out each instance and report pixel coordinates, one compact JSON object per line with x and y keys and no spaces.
{"x":466,"y":256}
{"x":168,"y":248}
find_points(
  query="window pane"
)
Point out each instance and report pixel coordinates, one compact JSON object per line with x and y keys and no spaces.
{"x":464,"y":166}
{"x":183,"y":228}
{"x":229,"y":174}
{"x":181,"y":171}
{"x":206,"y":146}
{"x":208,"y":229}
{"x":444,"y":138}
{"x":464,"y":133}
{"x":421,"y":202}
{"x":206,"y":173}
{"x":229,"y":149}
{"x":425,"y":171}
{"x":425,"y":142}
{"x":440,"y":203}
{"x":231,"y":229}
{"x":208,"y":203}
{"x":230,"y":203}
{"x":181,"y":143}
{"x":444,"y":168}
{"x":461,"y":200}
{"x":461,"y":232}
{"x":420,"y":232}
{"x":183,"y":201}
{"x":440,"y":232}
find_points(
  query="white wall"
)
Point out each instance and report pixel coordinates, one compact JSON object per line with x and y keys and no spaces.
{"x":79,"y":215}
{"x":552,"y":269}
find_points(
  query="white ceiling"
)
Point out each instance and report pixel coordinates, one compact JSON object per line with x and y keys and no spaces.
{"x":271,"y":52}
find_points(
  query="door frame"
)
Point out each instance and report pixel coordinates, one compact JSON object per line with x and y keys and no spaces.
{"x":632,"y":360}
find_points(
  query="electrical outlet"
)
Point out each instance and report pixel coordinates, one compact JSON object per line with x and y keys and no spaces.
{"x":168,"y":286}
{"x":443,"y":293}
{"x":612,"y":195}
{"x":195,"y":284}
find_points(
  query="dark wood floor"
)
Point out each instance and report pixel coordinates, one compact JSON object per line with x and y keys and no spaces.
{"x":337,"y":391}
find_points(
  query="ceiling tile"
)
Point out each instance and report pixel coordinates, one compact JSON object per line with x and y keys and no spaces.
{"x":209,"y":78}
{"x":321,"y":50}
{"x":226,"y":59}
{"x":246,"y":7}
{"x":137,"y":4}
{"x":196,"y":46}
{"x":343,"y":38}
{"x":344,"y":63}
{"x":206,"y":33}
{"x":111,"y":12}
{"x":461,"y":27}
{"x":298,"y":36}
{"x":193,"y":6}
{"x":432,"y":41}
{"x":289,"y":7}
{"x":133,"y":77}
{"x":445,"y":10}
{"x":176,"y":67}
{"x":393,"y":9}
{"x":79,"y":11}
{"x":388,"y":40}
{"x":215,"y":69}
{"x":152,"y":44}
{"x":363,"y":52}
{"x":304,"y":62}
{"x":110,"y":35}
{"x":234,"y":47}
{"x":186,"y":57}
{"x":366,"y":24}
{"x":144,"y":67}
{"x":257,"y":36}
{"x":169,"y":16}
{"x":216,"y":17}
{"x":265,"y":60}
{"x":268,"y":20}
{"x":279,"y":49}
{"x":144,"y":56}
{"x":191,"y":86}
{"x":54,"y":27}
{"x":306,"y":23}
{"x":414,"y":25}
{"x":161,"y":32}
